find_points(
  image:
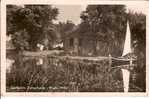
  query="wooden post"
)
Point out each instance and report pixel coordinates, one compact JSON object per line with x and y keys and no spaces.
{"x":130,"y":67}
{"x":110,"y":61}
{"x":109,"y":68}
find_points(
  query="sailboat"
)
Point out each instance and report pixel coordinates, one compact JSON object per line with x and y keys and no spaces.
{"x":127,"y":44}
{"x":126,"y":50}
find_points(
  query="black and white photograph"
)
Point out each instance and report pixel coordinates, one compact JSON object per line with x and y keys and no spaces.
{"x":75,"y":48}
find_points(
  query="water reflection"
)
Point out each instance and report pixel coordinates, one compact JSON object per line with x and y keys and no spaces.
{"x":51,"y":74}
{"x":39,"y":61}
{"x":9,"y":63}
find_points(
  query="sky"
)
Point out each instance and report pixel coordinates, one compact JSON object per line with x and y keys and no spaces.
{"x":72,"y":12}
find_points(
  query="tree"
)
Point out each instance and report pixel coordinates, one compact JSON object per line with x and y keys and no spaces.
{"x":20,"y":40}
{"x":36,"y":20}
{"x":138,"y":30}
{"x":65,"y":27}
{"x":107,"y":22}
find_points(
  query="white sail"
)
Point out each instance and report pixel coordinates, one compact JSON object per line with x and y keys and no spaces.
{"x":126,"y":50}
{"x":127,"y":45}
{"x":126,"y":76}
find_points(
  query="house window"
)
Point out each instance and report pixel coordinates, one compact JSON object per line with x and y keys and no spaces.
{"x":71,"y":42}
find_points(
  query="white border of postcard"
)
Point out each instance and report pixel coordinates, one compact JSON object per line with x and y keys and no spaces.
{"x":67,"y":2}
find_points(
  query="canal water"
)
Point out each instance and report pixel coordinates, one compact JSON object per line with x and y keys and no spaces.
{"x":49,"y":74}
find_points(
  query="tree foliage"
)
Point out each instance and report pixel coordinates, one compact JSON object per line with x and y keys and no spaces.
{"x":20,"y":40}
{"x":65,"y":27}
{"x":36,"y":20}
{"x":138,"y":30}
{"x":107,"y":22}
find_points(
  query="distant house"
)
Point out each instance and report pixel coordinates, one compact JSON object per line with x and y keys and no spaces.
{"x":85,"y":44}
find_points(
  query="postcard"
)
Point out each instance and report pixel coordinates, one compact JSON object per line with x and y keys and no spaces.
{"x":74,"y":48}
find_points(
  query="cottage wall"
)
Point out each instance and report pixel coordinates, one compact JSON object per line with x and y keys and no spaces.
{"x":75,"y":46}
{"x":71,"y":48}
{"x":66,"y":45}
{"x":86,"y":46}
